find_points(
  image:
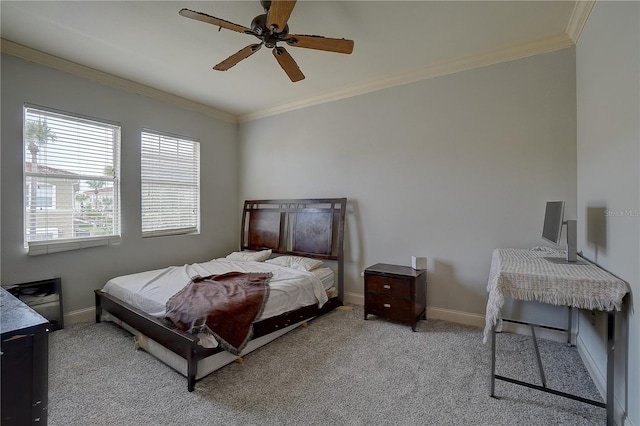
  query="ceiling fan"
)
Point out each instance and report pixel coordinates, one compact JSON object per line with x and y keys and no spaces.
{"x":271,"y":28}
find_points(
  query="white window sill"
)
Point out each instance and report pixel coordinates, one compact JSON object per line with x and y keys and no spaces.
{"x":37,"y":248}
{"x":169,"y":232}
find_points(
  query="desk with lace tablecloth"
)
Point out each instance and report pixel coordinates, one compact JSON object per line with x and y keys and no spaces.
{"x":539,"y":274}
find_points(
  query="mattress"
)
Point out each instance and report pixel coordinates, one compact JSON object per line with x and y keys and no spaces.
{"x":326,"y":277}
{"x":290,"y":288}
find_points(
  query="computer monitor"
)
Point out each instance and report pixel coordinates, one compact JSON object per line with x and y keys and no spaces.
{"x":553,"y":220}
{"x":552,"y":231}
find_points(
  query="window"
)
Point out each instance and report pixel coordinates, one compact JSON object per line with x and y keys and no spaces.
{"x":170,"y":178}
{"x":45,"y":196}
{"x":71,"y":181}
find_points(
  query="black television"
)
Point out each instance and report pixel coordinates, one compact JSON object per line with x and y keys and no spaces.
{"x":552,"y":231}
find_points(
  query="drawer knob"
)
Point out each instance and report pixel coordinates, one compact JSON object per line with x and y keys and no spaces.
{"x":387,"y":286}
{"x":387,"y":305}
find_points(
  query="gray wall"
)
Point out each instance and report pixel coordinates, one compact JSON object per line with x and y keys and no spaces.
{"x":88,"y":269}
{"x":448,"y":168}
{"x":608,"y":108}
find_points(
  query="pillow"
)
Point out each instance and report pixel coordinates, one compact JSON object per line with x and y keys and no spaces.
{"x":255,"y":256}
{"x":296,"y":262}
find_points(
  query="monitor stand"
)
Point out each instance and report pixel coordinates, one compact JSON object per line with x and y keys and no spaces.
{"x":562,"y":261}
{"x":572,"y":246}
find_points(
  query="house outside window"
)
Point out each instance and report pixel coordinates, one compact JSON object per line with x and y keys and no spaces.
{"x":170,"y":184}
{"x":45,"y":196}
{"x":71,"y":163}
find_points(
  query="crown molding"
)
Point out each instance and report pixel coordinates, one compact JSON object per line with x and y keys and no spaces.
{"x":581,"y":11}
{"x":18,"y":50}
{"x":490,"y":57}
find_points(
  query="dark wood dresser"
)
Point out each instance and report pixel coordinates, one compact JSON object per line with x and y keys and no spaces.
{"x":395,"y":292}
{"x":44,"y":297}
{"x":25,"y":363}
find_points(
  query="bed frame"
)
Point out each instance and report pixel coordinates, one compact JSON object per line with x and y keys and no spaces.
{"x":302,"y":227}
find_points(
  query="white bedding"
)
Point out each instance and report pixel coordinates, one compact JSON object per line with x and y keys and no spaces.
{"x":290,"y":288}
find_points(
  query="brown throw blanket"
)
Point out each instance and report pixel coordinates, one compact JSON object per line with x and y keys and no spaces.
{"x":225,"y":305}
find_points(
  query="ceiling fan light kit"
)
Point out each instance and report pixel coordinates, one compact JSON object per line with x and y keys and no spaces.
{"x":271,"y":28}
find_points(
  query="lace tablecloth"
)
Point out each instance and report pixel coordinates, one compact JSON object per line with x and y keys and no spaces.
{"x":525,"y":274}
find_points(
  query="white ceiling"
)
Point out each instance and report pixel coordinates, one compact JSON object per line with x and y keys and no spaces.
{"x":149,"y":43}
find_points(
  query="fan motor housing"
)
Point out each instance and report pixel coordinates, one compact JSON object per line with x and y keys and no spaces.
{"x":259,"y":26}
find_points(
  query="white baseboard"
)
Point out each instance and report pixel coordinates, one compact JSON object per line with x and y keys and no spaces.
{"x":458,"y":317}
{"x":543,"y":333}
{"x":600,"y":381}
{"x":81,"y":315}
{"x":355,"y":298}
{"x":596,"y":375}
{"x":475,"y":320}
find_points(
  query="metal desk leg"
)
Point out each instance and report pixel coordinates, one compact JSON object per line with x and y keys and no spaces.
{"x":493,"y":361}
{"x":569,"y":327}
{"x":611,"y":351}
{"x":537,"y":351}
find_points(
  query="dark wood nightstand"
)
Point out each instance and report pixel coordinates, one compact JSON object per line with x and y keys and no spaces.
{"x":395,"y":292}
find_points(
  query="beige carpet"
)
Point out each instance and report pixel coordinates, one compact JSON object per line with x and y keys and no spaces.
{"x":341,"y":370}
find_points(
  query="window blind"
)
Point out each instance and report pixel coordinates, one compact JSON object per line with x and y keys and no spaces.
{"x":170,"y":184}
{"x":71,"y":181}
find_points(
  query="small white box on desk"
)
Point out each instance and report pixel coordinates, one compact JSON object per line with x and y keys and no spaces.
{"x":418,"y":262}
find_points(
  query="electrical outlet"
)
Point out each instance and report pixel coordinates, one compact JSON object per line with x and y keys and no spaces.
{"x":592,"y":318}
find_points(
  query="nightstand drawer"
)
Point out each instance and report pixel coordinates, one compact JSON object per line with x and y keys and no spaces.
{"x":388,"y":307}
{"x":389,"y":286}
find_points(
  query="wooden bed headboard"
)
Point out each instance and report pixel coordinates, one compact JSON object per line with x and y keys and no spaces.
{"x":301,"y":227}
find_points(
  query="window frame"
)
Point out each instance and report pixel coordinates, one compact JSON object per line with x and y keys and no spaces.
{"x":40,"y":247}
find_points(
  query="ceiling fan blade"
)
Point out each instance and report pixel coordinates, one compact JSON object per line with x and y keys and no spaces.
{"x":279,"y":13}
{"x":288,"y":64}
{"x":199,"y":16}
{"x":237,"y":57}
{"x":339,"y":45}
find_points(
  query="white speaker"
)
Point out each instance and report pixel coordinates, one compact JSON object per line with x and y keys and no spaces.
{"x":418,"y":262}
